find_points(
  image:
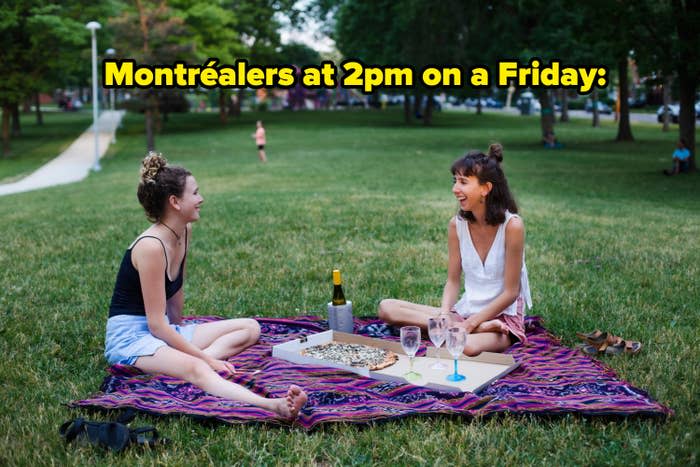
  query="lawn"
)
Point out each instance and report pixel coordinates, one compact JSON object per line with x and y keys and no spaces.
{"x":38,"y":144}
{"x":611,"y":244}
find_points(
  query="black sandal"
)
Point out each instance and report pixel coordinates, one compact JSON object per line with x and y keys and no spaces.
{"x":113,"y":435}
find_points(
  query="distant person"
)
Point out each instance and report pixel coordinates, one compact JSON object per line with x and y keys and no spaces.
{"x":259,"y":137}
{"x":681,"y":159}
{"x":486,"y":241}
{"x":549,"y":141}
{"x":145,"y":326}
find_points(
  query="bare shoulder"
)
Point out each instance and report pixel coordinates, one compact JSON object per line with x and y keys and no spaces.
{"x":515,"y":229}
{"x":147,"y":249}
{"x":515,"y":225}
{"x":452,"y":225}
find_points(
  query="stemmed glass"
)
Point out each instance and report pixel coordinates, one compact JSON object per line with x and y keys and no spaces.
{"x":410,"y":341}
{"x":456,"y":340}
{"x":437,"y":328}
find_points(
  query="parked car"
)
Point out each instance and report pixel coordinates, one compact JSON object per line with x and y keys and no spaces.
{"x":437,"y":105}
{"x":602,"y":108}
{"x":473,"y":101}
{"x":528,"y":104}
{"x":638,"y":102}
{"x":493,"y":103}
{"x":673,"y":111}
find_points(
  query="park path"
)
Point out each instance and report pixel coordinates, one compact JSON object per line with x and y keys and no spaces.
{"x":73,"y":164}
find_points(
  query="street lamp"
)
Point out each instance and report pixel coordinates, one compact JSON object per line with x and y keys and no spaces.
{"x":110,"y":53}
{"x":94,"y":26}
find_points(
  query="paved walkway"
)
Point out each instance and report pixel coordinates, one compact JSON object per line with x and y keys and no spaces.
{"x":74,"y":164}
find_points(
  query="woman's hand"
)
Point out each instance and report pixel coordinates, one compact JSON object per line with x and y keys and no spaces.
{"x":221,"y":366}
{"x":470,"y":324}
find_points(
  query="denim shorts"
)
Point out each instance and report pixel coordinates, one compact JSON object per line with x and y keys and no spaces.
{"x":128,"y":338}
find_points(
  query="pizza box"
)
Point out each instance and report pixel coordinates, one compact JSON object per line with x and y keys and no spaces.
{"x":480,"y":371}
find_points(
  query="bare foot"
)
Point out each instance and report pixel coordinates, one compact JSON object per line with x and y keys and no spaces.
{"x":289,"y":406}
{"x":494,"y":325}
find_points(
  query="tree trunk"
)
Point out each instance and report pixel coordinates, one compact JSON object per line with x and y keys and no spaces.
{"x":406,"y":108}
{"x":6,"y":111}
{"x":624,"y":130}
{"x":148,"y":119}
{"x":685,"y":14}
{"x":232,"y":108}
{"x":417,"y":104}
{"x":546,"y":114}
{"x":37,"y":109}
{"x":668,"y":81}
{"x":564,"y":106}
{"x":428,"y":114}
{"x":686,"y":119}
{"x":150,"y":142}
{"x":239,"y":102}
{"x":16,"y":127}
{"x":157,"y":119}
{"x":223,"y":114}
{"x":596,"y":115}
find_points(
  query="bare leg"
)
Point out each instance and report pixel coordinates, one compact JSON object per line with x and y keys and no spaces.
{"x":261,"y":155}
{"x":172,"y":362}
{"x":486,"y":342}
{"x":223,"y":339}
{"x":403,"y":313}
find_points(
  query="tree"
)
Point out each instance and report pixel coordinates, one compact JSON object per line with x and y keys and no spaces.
{"x":666,"y":45}
{"x":258,"y":24}
{"x":404,"y":32}
{"x":40,"y":42}
{"x":152,"y":33}
{"x":298,"y":54}
{"x":214,"y":28}
{"x":687,"y":18}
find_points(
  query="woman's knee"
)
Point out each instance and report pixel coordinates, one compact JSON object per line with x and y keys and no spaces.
{"x":387,"y":309}
{"x":471,"y":350}
{"x":253,"y":328}
{"x":197,"y":371}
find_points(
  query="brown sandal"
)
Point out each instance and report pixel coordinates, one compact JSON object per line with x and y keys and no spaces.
{"x":632,"y":347}
{"x":610,"y":341}
{"x":593,"y":338}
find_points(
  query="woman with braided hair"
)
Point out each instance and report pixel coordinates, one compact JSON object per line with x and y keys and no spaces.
{"x":144,"y":327}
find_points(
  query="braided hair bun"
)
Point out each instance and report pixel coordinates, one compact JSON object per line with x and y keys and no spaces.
{"x":152,"y":163}
{"x":159,"y":181}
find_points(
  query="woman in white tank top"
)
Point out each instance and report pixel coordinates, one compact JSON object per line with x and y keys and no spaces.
{"x":486,"y":243}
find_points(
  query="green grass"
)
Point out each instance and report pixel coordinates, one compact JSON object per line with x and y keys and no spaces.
{"x":38,"y":144}
{"x":611,"y":244}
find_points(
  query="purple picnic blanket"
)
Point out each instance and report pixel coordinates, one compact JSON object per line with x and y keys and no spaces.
{"x":551,"y":379}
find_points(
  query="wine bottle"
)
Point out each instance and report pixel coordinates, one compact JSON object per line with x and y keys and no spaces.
{"x":338,"y":295}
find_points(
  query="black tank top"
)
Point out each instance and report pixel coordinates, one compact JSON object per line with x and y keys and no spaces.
{"x":127,"y":298}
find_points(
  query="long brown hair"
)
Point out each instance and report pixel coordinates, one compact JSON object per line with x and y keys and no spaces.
{"x":487,"y":168}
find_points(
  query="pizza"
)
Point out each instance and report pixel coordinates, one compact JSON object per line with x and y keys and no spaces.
{"x":357,"y":355}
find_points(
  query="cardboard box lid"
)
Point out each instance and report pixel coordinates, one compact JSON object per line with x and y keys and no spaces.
{"x":480,"y":370}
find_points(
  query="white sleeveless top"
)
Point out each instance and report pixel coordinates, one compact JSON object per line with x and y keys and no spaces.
{"x":483,"y":282}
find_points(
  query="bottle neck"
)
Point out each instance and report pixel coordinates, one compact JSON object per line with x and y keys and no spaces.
{"x":336,"y":277}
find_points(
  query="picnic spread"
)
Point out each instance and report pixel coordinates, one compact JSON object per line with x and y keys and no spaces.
{"x":548,"y":379}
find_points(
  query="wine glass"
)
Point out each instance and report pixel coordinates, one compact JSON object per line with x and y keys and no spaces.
{"x":456,"y":340}
{"x":410,"y":341}
{"x":437,"y":328}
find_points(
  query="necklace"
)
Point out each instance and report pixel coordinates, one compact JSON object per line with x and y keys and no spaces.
{"x":170,"y":229}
